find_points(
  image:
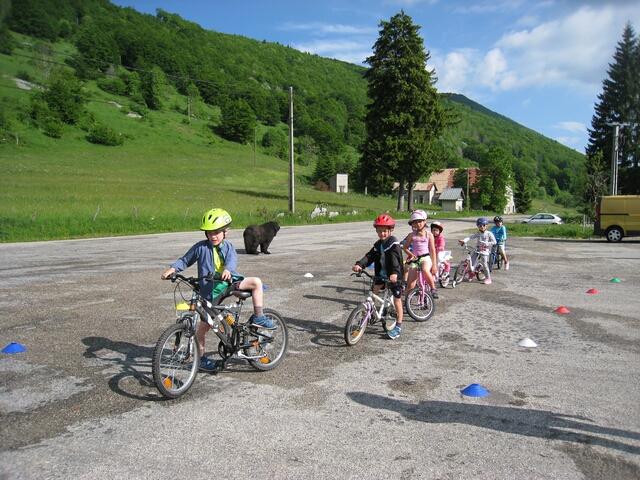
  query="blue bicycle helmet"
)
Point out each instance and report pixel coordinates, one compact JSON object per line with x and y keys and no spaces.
{"x":482,"y":221}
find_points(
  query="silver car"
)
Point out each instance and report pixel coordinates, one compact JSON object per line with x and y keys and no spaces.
{"x":542,"y":219}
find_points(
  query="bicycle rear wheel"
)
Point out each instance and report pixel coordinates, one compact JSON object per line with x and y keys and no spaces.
{"x":269,"y":345}
{"x":461,"y":271}
{"x":420,"y":305}
{"x":356,"y":325}
{"x":176,"y":359}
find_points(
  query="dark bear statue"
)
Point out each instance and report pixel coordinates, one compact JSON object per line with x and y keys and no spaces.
{"x":259,"y":236}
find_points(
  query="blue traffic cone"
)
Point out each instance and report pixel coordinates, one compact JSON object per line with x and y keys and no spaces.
{"x":474,"y":390}
{"x":14,"y":347}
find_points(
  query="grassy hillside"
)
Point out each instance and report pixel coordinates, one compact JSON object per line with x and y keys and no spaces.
{"x":166,"y":174}
{"x":171,"y":168}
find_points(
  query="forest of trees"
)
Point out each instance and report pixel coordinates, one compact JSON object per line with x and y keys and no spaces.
{"x":135,"y":54}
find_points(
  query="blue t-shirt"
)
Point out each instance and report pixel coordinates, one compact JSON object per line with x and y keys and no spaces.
{"x":499,"y":233}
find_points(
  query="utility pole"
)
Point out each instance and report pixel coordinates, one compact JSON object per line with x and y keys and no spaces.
{"x":189,"y":108}
{"x":292,"y":205}
{"x":614,"y":157}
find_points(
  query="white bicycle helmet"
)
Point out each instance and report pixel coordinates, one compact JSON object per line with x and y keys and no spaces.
{"x":418,"y":215}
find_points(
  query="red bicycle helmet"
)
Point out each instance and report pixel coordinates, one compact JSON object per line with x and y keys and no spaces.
{"x":437,"y":224}
{"x":384,"y":220}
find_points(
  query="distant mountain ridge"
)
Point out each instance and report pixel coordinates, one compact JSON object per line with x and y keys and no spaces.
{"x":330,"y":95}
{"x":456,"y":97}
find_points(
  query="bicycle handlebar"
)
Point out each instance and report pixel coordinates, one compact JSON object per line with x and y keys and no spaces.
{"x":216,"y":277}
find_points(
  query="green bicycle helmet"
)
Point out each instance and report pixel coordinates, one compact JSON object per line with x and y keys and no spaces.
{"x":215,"y":219}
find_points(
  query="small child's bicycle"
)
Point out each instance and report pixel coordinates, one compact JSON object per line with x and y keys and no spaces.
{"x":176,"y":357}
{"x":495,"y":258}
{"x":419,"y":302}
{"x":442,"y":275}
{"x":468,"y":267}
{"x":374,"y":309}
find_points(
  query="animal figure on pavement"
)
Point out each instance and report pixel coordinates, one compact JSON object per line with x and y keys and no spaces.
{"x":259,"y":236}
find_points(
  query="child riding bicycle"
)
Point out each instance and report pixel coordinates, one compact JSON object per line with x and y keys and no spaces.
{"x":500,"y":232}
{"x":483,"y":248}
{"x":386,"y":255}
{"x":438,"y":241}
{"x":422,"y":254}
{"x":216,"y":255}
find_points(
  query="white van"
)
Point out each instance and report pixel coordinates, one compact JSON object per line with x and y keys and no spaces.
{"x":617,"y":216}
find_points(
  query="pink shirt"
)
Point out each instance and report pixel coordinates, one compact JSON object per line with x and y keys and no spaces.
{"x":439,"y":243}
{"x":419,"y":245}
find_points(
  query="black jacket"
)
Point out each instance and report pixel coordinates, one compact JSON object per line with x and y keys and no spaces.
{"x":392,"y":257}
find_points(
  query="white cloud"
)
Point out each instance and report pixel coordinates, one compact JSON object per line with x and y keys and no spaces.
{"x":575,"y":127}
{"x":571,"y":51}
{"x":345,"y":50}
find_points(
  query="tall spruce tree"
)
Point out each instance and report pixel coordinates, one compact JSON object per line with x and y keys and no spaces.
{"x":404,"y":115}
{"x":619,"y":102}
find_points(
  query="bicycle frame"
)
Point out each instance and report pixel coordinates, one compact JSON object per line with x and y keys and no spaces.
{"x":375,"y":308}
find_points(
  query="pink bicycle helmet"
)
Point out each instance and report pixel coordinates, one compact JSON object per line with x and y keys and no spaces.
{"x":438,"y":225}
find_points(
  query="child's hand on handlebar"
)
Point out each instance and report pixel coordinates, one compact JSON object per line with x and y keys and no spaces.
{"x":168,"y":273}
{"x":356,"y":268}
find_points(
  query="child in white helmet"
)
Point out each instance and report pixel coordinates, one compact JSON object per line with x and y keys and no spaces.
{"x":422,"y":254}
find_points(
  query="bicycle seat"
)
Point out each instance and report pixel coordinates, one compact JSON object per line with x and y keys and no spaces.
{"x":241,"y":293}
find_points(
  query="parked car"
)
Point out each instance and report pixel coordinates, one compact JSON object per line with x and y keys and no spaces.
{"x":542,"y":219}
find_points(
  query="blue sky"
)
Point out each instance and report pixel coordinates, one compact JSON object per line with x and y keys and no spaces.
{"x":540,"y":63}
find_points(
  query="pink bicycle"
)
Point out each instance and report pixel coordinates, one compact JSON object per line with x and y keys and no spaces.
{"x":419,"y":302}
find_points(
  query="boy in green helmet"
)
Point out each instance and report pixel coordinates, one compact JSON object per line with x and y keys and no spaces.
{"x":216,"y":255}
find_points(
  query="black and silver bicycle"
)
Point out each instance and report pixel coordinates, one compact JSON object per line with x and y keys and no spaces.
{"x":176,"y":357}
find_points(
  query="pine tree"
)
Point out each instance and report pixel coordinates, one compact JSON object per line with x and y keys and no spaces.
{"x":404,"y":115}
{"x":619,"y":102}
{"x":522,"y":194}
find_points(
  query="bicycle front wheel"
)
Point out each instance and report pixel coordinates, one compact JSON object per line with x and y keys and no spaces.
{"x":356,"y":325}
{"x":268,"y":345}
{"x":420,"y":305}
{"x":176,"y":359}
{"x":444,"y":279}
{"x":499,"y":260}
{"x":461,"y":271}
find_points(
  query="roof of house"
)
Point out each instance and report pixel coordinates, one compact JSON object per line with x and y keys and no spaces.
{"x":444,"y":179}
{"x":452,"y":194}
{"x":424,"y":186}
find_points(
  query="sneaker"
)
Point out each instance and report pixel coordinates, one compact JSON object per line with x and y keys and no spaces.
{"x":263,"y":322}
{"x":395,"y":333}
{"x":487,"y":281}
{"x":206,"y":365}
{"x":434,"y":293}
{"x":506,"y":265}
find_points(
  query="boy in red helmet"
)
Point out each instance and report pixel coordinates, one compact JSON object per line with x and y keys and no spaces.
{"x":386,"y":255}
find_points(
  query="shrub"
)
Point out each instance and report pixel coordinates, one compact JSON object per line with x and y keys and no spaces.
{"x":104,"y":135}
{"x":24,"y":75}
{"x":53,"y":128}
{"x":115,"y":86}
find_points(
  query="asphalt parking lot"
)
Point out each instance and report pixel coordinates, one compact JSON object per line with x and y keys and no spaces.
{"x":80,"y":400}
